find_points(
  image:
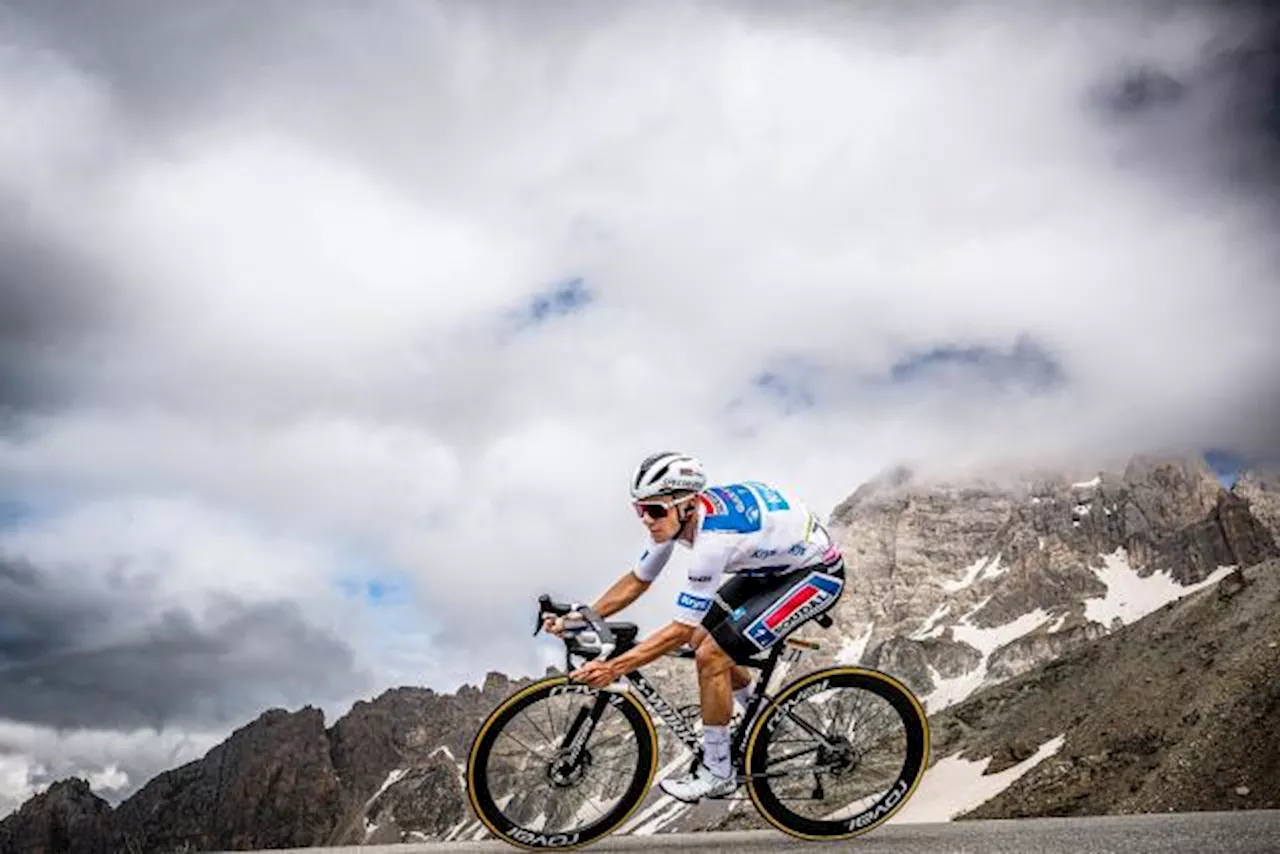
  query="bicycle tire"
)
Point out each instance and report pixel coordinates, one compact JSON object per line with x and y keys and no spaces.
{"x":484,"y":805}
{"x":914,"y":761}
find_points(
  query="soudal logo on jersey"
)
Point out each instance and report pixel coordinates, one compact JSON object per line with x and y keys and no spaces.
{"x":803,"y":601}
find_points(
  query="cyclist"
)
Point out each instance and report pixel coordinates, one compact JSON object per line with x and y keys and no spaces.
{"x":784,"y":571}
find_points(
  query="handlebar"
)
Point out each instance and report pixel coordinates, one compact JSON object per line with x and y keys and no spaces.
{"x":590,"y":619}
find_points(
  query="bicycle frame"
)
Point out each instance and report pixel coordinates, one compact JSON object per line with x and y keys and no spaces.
{"x":652,"y":697}
{"x":576,"y":737}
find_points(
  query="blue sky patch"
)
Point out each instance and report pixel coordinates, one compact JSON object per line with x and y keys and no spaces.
{"x":1026,"y":363}
{"x":367,"y":577}
{"x":391,"y":589}
{"x":1227,"y":465}
{"x":564,"y":298}
{"x":12,"y":512}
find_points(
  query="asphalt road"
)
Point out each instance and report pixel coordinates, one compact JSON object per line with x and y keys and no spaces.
{"x":1255,"y":832}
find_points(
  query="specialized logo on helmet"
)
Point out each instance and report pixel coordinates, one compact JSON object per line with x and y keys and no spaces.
{"x":667,"y":472}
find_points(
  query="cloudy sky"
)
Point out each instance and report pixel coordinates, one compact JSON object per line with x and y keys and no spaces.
{"x":330,"y":332}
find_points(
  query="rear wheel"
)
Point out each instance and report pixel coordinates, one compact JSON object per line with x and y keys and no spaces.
{"x":561,"y":765}
{"x":836,"y":753}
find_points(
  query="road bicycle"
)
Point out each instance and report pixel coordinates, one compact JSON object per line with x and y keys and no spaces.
{"x":600,"y":746}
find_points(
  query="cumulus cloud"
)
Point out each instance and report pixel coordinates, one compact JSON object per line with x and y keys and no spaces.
{"x":297,"y":299}
{"x":115,"y":762}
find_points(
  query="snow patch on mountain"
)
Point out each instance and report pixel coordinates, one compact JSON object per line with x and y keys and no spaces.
{"x":953,"y":785}
{"x":1131,"y":597}
{"x":394,"y":775}
{"x":949,"y":691}
{"x":983,"y":567}
{"x":932,"y":626}
{"x":988,"y":640}
{"x":852,"y":649}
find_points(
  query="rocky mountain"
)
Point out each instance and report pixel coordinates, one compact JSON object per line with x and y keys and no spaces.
{"x":1179,"y":711}
{"x":66,"y":817}
{"x":964,"y":585}
{"x":964,"y":590}
{"x":384,"y":770}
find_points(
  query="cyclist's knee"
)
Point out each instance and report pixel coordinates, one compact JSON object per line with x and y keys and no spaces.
{"x":710,"y":656}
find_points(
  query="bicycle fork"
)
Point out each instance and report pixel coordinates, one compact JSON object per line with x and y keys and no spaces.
{"x":572,"y":757}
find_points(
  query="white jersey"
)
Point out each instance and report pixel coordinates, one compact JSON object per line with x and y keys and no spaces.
{"x":744,"y":527}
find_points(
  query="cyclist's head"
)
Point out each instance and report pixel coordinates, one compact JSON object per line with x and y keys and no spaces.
{"x":662,"y":490}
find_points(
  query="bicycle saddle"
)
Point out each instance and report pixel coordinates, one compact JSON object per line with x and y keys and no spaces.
{"x":625,"y":632}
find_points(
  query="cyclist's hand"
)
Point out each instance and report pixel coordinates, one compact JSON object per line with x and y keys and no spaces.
{"x":596,"y":674}
{"x":556,"y":625}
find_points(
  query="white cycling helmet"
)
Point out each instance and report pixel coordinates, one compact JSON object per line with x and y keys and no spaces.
{"x":667,"y":472}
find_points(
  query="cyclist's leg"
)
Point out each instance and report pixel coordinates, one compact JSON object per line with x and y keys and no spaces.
{"x":762,"y":613}
{"x":739,"y":676}
{"x":715,"y":688}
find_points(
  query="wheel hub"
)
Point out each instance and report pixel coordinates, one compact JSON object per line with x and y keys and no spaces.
{"x":563,"y":772}
{"x":839,"y":760}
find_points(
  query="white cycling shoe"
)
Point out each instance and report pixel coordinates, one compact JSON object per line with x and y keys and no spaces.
{"x":692,"y":788}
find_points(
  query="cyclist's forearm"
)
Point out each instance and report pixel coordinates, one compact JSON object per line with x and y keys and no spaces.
{"x":658,"y":644}
{"x":624,"y":591}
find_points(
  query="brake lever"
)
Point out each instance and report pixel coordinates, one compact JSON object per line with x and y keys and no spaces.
{"x":544,"y":608}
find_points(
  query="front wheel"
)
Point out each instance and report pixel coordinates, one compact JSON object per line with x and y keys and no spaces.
{"x":836,"y":753}
{"x":560,"y":765}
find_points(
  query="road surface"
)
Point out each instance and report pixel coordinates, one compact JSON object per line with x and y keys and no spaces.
{"x":1255,"y":832}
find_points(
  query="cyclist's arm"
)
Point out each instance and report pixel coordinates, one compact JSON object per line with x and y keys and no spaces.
{"x":624,"y":591}
{"x":705,"y":572}
{"x":669,"y":637}
{"x":628,"y":588}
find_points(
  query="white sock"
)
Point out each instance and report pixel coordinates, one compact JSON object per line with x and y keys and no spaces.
{"x":715,"y":747}
{"x":743,"y":695}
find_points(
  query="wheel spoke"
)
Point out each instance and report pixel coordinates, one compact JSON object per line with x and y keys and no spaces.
{"x":873,"y":746}
{"x":546,"y":791}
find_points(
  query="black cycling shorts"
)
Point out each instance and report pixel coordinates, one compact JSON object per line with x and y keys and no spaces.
{"x":751,"y":613}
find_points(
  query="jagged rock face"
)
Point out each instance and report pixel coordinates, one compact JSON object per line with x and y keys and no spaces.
{"x":425,"y":802}
{"x":910,"y":660}
{"x":428,"y":799}
{"x":1262,"y":492}
{"x":403,"y":726}
{"x":67,"y":818}
{"x":1176,"y":712}
{"x":1008,"y":576}
{"x":1031,"y":650}
{"x":270,"y":785}
{"x":388,"y":749}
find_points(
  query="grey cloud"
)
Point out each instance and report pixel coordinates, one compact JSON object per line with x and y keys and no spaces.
{"x":116,"y":658}
{"x":1215,"y":123}
{"x":521,"y":115}
{"x":162,"y":61}
{"x":50,"y":301}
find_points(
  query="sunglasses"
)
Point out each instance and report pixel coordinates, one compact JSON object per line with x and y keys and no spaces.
{"x":656,"y":509}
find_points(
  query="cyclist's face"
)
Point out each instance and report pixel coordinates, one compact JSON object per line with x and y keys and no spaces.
{"x":660,"y":516}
